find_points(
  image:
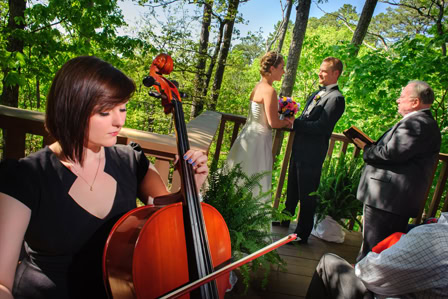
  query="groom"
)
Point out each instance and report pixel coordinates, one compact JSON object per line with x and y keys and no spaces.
{"x":312,"y":133}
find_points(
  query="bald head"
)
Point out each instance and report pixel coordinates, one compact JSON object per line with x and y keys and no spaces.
{"x":415,"y":96}
{"x":423,"y":91}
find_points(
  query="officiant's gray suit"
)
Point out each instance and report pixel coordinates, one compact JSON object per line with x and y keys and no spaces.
{"x":398,"y":171}
{"x":312,"y":134}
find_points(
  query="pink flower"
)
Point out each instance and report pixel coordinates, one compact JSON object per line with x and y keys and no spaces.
{"x":287,"y":106}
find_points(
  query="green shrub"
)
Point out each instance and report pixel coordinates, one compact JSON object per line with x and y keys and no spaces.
{"x":337,"y":190}
{"x":248,"y":218}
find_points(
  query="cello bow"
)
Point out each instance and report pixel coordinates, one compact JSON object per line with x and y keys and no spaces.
{"x":189,"y":287}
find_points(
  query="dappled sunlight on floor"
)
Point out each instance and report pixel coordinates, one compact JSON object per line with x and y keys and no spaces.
{"x":301,"y":261}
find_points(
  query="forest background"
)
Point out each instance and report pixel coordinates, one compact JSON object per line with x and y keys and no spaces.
{"x":217,"y":66}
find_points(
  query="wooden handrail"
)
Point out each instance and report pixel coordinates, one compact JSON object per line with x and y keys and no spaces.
{"x":16,"y":123}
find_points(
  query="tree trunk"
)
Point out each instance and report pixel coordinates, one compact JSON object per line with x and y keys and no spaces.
{"x":281,"y":30}
{"x":230,"y":18}
{"x":303,"y":11}
{"x":284,"y":26}
{"x":10,"y":93}
{"x":198,"y":100}
{"x":363,"y":24}
{"x":208,"y":76}
{"x":37,"y":92}
{"x":440,"y":26}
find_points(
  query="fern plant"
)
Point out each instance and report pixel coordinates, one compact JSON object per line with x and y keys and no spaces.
{"x":248,"y":218}
{"x":337,"y":190}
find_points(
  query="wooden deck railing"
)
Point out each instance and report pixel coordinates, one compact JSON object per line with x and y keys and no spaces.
{"x":237,"y":121}
{"x":343,"y":144}
{"x":16,"y":123}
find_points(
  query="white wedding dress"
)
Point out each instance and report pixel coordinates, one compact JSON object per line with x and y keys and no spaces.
{"x":253,"y":148}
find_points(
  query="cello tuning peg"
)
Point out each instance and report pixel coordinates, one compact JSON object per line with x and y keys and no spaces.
{"x":155,"y":94}
{"x":150,"y":81}
{"x":175,"y":83}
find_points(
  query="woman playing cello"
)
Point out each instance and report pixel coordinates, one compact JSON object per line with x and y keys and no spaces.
{"x":64,"y":199}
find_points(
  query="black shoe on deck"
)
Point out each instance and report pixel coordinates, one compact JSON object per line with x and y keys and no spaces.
{"x":298,"y":241}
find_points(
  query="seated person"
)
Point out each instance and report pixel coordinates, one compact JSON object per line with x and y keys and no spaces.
{"x":416,"y":266}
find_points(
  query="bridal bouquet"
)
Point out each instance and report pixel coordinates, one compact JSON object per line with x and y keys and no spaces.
{"x":287,"y":107}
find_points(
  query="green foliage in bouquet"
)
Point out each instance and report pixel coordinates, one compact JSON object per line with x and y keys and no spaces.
{"x":248,"y":219}
{"x":337,"y":190}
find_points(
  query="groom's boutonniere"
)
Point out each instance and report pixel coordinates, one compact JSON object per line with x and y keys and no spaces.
{"x":318,"y":96}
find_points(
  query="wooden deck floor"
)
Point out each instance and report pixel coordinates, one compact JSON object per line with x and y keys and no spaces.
{"x":301,"y":263}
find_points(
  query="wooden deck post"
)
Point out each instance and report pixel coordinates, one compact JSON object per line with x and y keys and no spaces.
{"x":14,"y":147}
{"x":438,"y":192}
{"x":277,"y":143}
{"x":219,"y":140}
{"x":283,"y":170}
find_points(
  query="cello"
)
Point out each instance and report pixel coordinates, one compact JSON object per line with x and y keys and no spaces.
{"x":172,"y":248}
{"x":152,"y":250}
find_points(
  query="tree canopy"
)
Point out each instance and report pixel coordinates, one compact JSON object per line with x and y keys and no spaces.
{"x":407,"y":42}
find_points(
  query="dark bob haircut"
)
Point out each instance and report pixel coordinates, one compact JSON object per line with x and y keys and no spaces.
{"x":82,"y":87}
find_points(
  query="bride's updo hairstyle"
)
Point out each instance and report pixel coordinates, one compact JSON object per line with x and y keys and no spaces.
{"x":269,"y":59}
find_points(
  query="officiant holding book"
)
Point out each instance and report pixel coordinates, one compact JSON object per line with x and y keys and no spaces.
{"x":312,"y":134}
{"x":398,"y":167}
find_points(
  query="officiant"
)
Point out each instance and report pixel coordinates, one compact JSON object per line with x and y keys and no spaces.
{"x":312,"y":134}
{"x":399,"y":167}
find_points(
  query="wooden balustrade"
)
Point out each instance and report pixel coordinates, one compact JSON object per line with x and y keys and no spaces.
{"x":16,"y":123}
{"x":343,"y":146}
{"x":336,"y":137}
{"x":237,"y":122}
{"x":438,"y":192}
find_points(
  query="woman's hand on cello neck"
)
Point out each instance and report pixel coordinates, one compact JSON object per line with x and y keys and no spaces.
{"x":199,"y":162}
{"x":153,"y":185}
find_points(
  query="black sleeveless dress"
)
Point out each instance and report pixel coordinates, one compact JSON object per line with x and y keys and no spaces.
{"x":64,"y":243}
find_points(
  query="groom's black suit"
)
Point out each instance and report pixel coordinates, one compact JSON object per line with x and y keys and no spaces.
{"x":312,"y":133}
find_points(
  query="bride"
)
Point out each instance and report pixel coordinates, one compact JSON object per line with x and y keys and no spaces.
{"x":253,"y":147}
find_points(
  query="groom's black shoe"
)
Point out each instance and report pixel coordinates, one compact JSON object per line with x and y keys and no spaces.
{"x":298,"y":241}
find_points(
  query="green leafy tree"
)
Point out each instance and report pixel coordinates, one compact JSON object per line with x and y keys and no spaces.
{"x":409,"y":18}
{"x":11,"y":68}
{"x":251,"y":46}
{"x":56,"y":31}
{"x":232,"y":10}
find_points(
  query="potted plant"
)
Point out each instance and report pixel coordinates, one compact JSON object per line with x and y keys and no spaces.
{"x":337,"y":204}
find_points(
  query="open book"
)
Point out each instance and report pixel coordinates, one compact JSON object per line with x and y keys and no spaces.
{"x":353,"y":132}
